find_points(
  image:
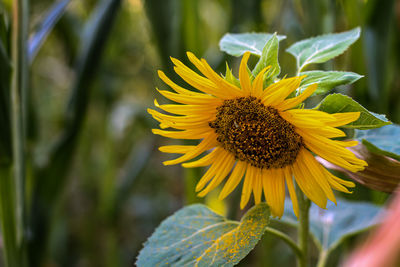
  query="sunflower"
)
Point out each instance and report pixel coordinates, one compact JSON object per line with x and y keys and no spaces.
{"x":257,"y":133}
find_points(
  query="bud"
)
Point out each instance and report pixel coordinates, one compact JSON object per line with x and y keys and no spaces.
{"x":381,"y":174}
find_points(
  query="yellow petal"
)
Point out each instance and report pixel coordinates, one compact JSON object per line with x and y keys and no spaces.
{"x":199,"y":82}
{"x":257,"y":186}
{"x":190,"y":120}
{"x":311,"y":125}
{"x":344,"y":118}
{"x":283,"y":89}
{"x":274,"y":190}
{"x":247,"y":186}
{"x":258,"y":83}
{"x":244,"y":75}
{"x":189,"y":109}
{"x":176,"y":149}
{"x":187,"y":134}
{"x":176,"y":87}
{"x":207,"y":71}
{"x":307,"y":118}
{"x":184,"y":99}
{"x":332,"y":151}
{"x":334,"y":157}
{"x":213,"y":170}
{"x":338,"y":183}
{"x":292,"y":102}
{"x":206,"y":160}
{"x":315,"y":173}
{"x":233,"y":180}
{"x":292,"y":191}
{"x":207,"y":143}
{"x":220,"y":175}
{"x":311,"y":190}
{"x":273,"y":88}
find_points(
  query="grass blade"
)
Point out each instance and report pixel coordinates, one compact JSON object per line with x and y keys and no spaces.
{"x":53,"y":176}
{"x":5,"y":133}
{"x":52,"y":17}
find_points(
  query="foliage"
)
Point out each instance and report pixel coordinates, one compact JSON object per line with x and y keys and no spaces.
{"x":327,"y":80}
{"x":331,"y":227}
{"x":336,"y":103}
{"x":197,"y":236}
{"x":236,"y":44}
{"x":383,"y":141}
{"x":322,"y":48}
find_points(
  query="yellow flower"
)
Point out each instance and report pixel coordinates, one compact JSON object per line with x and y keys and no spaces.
{"x":256,"y":133}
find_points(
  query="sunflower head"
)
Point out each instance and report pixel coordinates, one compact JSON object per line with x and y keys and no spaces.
{"x":256,"y":134}
{"x":274,"y":142}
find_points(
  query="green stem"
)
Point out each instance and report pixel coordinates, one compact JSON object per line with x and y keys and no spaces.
{"x":322,"y":259}
{"x":18,"y":121}
{"x":303,"y":227}
{"x":7,"y":216}
{"x":287,"y":240}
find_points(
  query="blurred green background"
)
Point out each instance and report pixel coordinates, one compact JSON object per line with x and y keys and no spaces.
{"x":96,"y":185}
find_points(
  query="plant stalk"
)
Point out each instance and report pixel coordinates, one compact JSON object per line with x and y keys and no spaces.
{"x":7,"y":217}
{"x":286,"y":239}
{"x":322,"y":259}
{"x":303,"y":227}
{"x":16,"y":186}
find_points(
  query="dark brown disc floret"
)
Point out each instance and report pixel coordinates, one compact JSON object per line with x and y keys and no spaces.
{"x":256,"y":133}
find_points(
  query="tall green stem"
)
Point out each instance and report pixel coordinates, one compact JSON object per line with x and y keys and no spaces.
{"x":7,"y":216}
{"x":303,"y":227}
{"x":18,"y":105}
{"x":323,"y":258}
{"x":13,"y":183}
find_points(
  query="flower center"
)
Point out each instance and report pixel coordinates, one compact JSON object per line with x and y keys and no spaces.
{"x":256,"y":133}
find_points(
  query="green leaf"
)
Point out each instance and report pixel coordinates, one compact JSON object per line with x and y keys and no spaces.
{"x":338,"y":103}
{"x":327,"y":80}
{"x":94,"y":38}
{"x":197,"y":236}
{"x":332,"y":226}
{"x":5,"y":61}
{"x":4,"y":25}
{"x":269,"y":57}
{"x":383,"y":141}
{"x":322,"y":48}
{"x":50,"y":20}
{"x":230,"y":77}
{"x":236,"y":44}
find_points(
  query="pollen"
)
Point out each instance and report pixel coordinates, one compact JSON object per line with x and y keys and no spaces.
{"x":256,"y":133}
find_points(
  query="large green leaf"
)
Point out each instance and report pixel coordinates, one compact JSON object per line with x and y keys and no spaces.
{"x":236,"y":44}
{"x":383,"y":141}
{"x":322,"y":48}
{"x":338,"y":103}
{"x":327,"y":80}
{"x":269,"y":57}
{"x":332,"y":226}
{"x":197,"y":236}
